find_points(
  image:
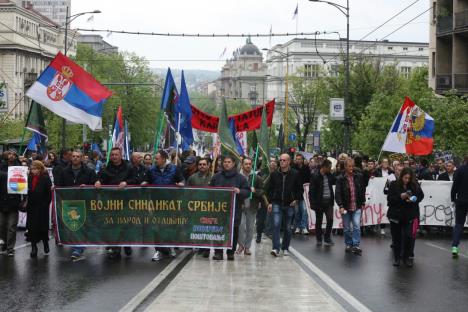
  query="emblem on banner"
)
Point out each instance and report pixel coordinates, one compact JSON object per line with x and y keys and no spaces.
{"x":60,"y":85}
{"x":74,"y":214}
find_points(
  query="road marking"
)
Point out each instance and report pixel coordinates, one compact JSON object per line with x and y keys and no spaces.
{"x":22,"y":246}
{"x":133,"y":304}
{"x":350,"y":299}
{"x":445,"y":249}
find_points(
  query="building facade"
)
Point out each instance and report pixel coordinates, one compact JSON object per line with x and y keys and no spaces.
{"x":244,"y":76}
{"x":449,"y":46}
{"x":312,"y":58}
{"x":28,"y":42}
{"x":55,"y":10}
{"x":97,"y":43}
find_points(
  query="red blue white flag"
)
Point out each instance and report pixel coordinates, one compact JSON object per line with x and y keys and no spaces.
{"x":70,"y":92}
{"x":118,"y":135}
{"x":411,"y":132}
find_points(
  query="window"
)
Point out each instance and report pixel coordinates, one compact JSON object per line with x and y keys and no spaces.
{"x":421,"y":49}
{"x":405,"y":71}
{"x":433,"y":70}
{"x":334,"y":70}
{"x":390,"y":48}
{"x":253,"y":88}
{"x":311,"y":70}
{"x":405,"y":49}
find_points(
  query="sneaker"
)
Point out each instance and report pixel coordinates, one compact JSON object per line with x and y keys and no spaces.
{"x":348,"y":248}
{"x":259,"y":239}
{"x":305,"y":232}
{"x":409,"y":263}
{"x":218,"y":256}
{"x":114,"y":255}
{"x":357,"y":251}
{"x":172,"y":252}
{"x":319,"y":243}
{"x":455,"y":251}
{"x":274,"y":253}
{"x":297,"y":231}
{"x":382,"y":232}
{"x":247,"y":251}
{"x":11,"y":253}
{"x":396,"y":262}
{"x":230,"y":256}
{"x":75,"y":256}
{"x":156,"y":256}
{"x":285,"y":253}
{"x":329,"y":242}
{"x":206,"y":253}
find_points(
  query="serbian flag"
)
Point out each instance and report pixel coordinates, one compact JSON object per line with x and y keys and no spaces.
{"x":70,"y":92}
{"x":118,"y":135}
{"x":411,"y":132}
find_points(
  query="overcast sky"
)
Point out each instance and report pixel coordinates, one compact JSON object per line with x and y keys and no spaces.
{"x":234,"y":17}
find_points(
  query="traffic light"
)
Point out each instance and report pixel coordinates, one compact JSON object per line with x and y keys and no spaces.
{"x":291,"y":152}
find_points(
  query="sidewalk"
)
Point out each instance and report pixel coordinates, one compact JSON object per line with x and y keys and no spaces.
{"x":258,"y":282}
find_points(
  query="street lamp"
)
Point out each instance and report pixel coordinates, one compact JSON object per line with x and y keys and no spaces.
{"x":68,"y":20}
{"x":347,"y":122}
{"x":286,"y":94}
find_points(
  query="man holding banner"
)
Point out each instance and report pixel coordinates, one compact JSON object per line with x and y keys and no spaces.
{"x":117,"y":172}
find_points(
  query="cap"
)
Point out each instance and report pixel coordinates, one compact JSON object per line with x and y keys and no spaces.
{"x":190,"y":160}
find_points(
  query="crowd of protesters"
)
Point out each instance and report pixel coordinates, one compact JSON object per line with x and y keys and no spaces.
{"x":267,"y":204}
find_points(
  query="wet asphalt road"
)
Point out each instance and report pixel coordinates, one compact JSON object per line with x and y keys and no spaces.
{"x":435,"y":283}
{"x":54,"y":283}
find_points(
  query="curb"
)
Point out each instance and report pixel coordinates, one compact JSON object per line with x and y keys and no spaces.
{"x":139,"y":298}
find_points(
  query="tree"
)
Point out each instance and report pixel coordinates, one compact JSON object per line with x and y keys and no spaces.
{"x":309,"y":99}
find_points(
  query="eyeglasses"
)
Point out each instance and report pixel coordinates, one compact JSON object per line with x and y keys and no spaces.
{"x":283,"y":160}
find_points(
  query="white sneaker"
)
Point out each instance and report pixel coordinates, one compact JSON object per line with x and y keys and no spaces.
{"x":297,"y":231}
{"x":285,"y":253}
{"x":274,"y":253}
{"x":305,"y":232}
{"x":172,"y":252}
{"x":156,"y":256}
{"x":2,"y":242}
{"x":382,"y":232}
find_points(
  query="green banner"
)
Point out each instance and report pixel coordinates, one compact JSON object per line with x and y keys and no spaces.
{"x":145,"y":216}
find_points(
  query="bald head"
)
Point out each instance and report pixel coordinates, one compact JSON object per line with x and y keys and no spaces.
{"x":284,"y":161}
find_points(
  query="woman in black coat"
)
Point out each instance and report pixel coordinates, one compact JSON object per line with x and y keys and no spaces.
{"x":39,"y":197}
{"x":404,"y":196}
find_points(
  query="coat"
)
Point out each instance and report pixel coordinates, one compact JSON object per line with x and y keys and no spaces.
{"x":85,"y":176}
{"x":284,"y":187}
{"x":343,"y":195}
{"x":199,"y":179}
{"x":259,"y":194}
{"x":114,"y":175}
{"x":233,"y":178}
{"x":37,"y":209}
{"x":8,"y":202}
{"x":316,"y":190}
{"x":399,"y":209}
{"x":459,"y":192}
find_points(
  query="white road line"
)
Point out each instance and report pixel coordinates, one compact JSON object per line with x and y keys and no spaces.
{"x":445,"y":249}
{"x":145,"y":292}
{"x":22,"y":246}
{"x":350,"y":299}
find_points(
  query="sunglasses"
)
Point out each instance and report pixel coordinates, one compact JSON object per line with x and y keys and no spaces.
{"x":283,"y":160}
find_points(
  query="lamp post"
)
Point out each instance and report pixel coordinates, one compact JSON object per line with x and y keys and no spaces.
{"x":68,"y":20}
{"x":347,"y":122}
{"x":286,"y":94}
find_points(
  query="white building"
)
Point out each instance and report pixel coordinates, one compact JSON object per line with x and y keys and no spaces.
{"x":98,"y":44}
{"x":244,"y":75}
{"x":28,"y":42}
{"x":55,"y":10}
{"x":324,"y":56}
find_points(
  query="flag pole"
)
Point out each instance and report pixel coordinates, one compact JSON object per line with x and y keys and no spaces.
{"x":254,"y":170}
{"x":24,"y":129}
{"x":158,"y":133}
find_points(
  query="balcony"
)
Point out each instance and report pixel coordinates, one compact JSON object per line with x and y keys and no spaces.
{"x":443,"y":83}
{"x":461,"y":19}
{"x":444,"y":25}
{"x":461,"y":82}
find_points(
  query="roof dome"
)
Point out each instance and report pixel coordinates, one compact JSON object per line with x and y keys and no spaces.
{"x":249,"y":48}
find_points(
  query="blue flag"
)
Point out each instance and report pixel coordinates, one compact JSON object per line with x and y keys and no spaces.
{"x":232,"y":128}
{"x":169,"y":98}
{"x":184,"y":111}
{"x":37,"y":144}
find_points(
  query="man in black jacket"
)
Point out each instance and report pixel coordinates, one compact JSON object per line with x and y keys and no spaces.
{"x":117,"y":172}
{"x":283,"y":190}
{"x":350,"y":196}
{"x":141,"y":175}
{"x":321,"y":199}
{"x":301,"y":219}
{"x":76,"y":174}
{"x":459,"y":195}
{"x":449,"y":172}
{"x":62,"y":163}
{"x":230,"y":177}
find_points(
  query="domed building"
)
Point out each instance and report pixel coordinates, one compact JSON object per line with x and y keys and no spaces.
{"x":244,"y":75}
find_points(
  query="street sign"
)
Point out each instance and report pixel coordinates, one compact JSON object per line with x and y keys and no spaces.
{"x":292,"y":137}
{"x":316,"y":141}
{"x":337,"y":109}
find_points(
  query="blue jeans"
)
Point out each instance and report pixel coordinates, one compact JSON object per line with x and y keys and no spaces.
{"x":301,"y":218}
{"x":282,"y":215}
{"x":352,"y":234}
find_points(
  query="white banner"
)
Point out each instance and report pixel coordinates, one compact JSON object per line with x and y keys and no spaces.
{"x":17,"y":180}
{"x":435,"y":209}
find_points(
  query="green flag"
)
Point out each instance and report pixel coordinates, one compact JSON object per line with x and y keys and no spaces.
{"x":263,"y":144}
{"x":35,"y":121}
{"x":228,"y":145}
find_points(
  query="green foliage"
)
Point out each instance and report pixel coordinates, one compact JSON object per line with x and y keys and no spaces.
{"x":11,"y":129}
